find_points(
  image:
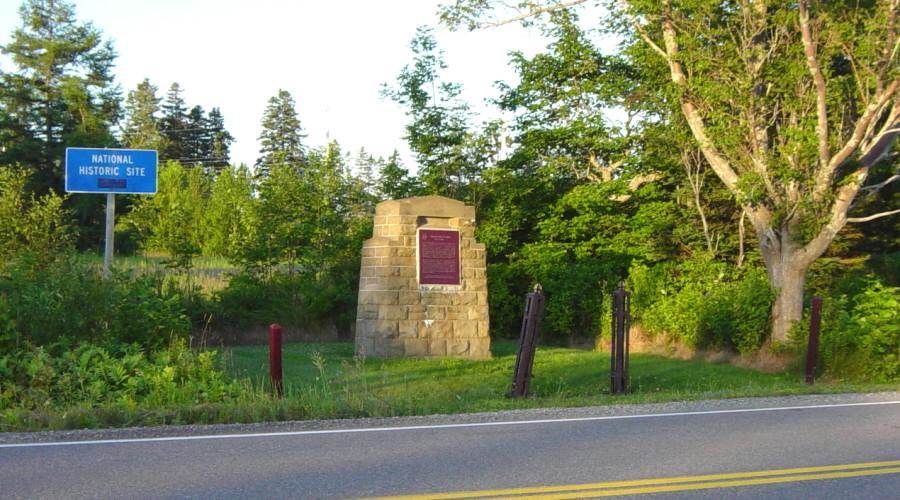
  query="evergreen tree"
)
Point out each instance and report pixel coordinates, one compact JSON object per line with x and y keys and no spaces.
{"x":219,"y":154}
{"x":282,"y":135}
{"x":393,"y":180}
{"x":61,"y":92}
{"x":141,"y":129}
{"x":196,"y":139}
{"x":174,"y":124}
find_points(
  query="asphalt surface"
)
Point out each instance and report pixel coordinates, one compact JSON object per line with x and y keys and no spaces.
{"x":535,"y":448}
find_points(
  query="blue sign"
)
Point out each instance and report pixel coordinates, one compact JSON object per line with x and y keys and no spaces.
{"x":131,"y":171}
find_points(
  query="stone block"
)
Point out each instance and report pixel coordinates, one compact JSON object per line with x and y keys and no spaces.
{"x":393,"y":313}
{"x":368,"y":297}
{"x":480,"y":348}
{"x":370,"y":261}
{"x":465,"y":329}
{"x":390,"y":348}
{"x":416,"y":347}
{"x":408,"y":328}
{"x":476,"y":312}
{"x":484,"y":328}
{"x":430,"y":298}
{"x":437,"y":347}
{"x":466,"y":298}
{"x":383,"y":329}
{"x":436,"y":312}
{"x":366,"y":312}
{"x":435,"y":329}
{"x":457,"y":347}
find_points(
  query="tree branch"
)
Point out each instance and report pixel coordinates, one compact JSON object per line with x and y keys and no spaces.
{"x":874,"y":188}
{"x":873,"y":216}
{"x":812,"y":62}
{"x":717,"y":161}
{"x":533,"y":11}
{"x":825,"y":175}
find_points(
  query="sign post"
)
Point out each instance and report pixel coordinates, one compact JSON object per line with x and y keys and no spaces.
{"x":111,"y":171}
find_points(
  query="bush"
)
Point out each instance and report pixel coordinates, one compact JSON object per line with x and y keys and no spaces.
{"x":860,"y":335}
{"x":39,"y":378}
{"x":703,"y":303}
{"x":66,"y":300}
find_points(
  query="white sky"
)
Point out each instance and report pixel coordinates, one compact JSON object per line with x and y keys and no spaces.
{"x":332,"y":55}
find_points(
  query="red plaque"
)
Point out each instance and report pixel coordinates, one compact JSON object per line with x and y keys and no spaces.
{"x":438,"y":257}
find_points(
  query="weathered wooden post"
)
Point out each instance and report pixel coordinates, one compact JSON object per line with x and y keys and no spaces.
{"x":812,"y":348}
{"x":621,"y":319}
{"x":528,"y":337}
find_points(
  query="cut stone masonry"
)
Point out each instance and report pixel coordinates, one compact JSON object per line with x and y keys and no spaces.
{"x":399,"y":316}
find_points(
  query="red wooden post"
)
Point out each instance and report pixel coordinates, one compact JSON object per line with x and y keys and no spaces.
{"x":275,"y":372}
{"x":812,"y":349}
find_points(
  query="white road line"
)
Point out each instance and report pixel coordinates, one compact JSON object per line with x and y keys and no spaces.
{"x":439,"y":426}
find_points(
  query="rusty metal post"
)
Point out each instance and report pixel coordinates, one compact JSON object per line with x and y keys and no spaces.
{"x":275,"y":372}
{"x":621,"y":324}
{"x":812,"y":348}
{"x":528,"y":337}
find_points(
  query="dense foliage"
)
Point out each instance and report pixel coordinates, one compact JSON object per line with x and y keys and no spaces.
{"x":595,"y":178}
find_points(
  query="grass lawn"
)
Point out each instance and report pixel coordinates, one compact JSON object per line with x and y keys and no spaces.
{"x":333,"y":384}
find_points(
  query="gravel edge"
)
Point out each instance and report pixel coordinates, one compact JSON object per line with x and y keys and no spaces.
{"x":507,"y":415}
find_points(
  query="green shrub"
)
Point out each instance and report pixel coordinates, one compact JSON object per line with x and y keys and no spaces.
{"x":860,"y":335}
{"x":41,"y":378}
{"x":36,"y":225}
{"x":66,"y":300}
{"x":703,"y":303}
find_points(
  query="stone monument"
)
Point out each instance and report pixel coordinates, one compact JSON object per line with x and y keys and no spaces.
{"x":422,"y":285}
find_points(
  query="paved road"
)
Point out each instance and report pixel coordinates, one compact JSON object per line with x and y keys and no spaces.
{"x":836,"y":447}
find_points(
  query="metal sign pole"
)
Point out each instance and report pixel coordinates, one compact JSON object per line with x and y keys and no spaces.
{"x":110,"y":233}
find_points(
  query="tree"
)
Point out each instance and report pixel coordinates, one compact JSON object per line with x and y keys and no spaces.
{"x":172,"y":220}
{"x":438,"y":118}
{"x":219,"y":150}
{"x":394,"y":181}
{"x":562,"y":100}
{"x":197,"y":139}
{"x":141,"y":129}
{"x":60,"y":94}
{"x":282,"y":136}
{"x":174,"y":125}
{"x":229,"y":215}
{"x":794,"y":106}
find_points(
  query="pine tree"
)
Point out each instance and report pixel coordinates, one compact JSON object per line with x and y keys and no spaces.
{"x":61,"y":92}
{"x":174,"y":124}
{"x":282,"y":135}
{"x":141,"y":129}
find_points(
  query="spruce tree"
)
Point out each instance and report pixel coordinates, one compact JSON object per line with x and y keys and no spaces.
{"x":174,"y":124}
{"x":219,"y":154}
{"x":195,"y":138}
{"x":393,"y":180}
{"x":60,"y":93}
{"x":282,"y":136}
{"x":141,"y":129}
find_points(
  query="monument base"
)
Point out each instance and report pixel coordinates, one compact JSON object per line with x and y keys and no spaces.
{"x":423,"y":292}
